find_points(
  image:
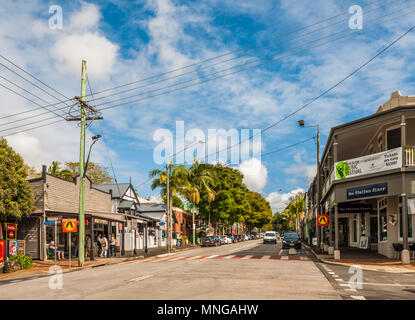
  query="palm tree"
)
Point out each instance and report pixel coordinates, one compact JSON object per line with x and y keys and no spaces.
{"x":197,"y":178}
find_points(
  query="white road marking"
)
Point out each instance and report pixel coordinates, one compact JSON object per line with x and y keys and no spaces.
{"x":344,"y":284}
{"x":350,"y":289}
{"x":266,"y":257}
{"x":229,"y":257}
{"x":334,"y":275}
{"x":194,"y":257}
{"x":359,"y":297}
{"x":174,"y":259}
{"x":246,"y":257}
{"x":210,"y":257}
{"x":338,"y":279}
{"x":284,"y":257}
{"x":330,"y":272}
{"x":158,"y":260}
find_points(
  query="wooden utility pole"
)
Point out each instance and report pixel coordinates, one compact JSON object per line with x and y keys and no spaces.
{"x":82,"y":118}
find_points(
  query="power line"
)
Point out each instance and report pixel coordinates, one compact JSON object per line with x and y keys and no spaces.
{"x":234,"y":72}
{"x":240,"y":71}
{"x":234,"y":51}
{"x":239,"y":57}
{"x":238,"y":50}
{"x":325,"y":91}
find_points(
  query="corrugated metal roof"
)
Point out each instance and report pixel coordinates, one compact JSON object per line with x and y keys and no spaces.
{"x":123,"y":187}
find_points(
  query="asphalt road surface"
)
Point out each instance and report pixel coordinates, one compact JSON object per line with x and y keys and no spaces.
{"x":248,"y":270}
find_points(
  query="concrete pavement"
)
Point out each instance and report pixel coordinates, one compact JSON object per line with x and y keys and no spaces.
{"x":191,"y":276}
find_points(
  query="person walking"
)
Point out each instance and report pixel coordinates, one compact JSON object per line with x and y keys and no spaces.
{"x":88,"y":243}
{"x":113,"y":244}
{"x":104,"y":246}
{"x":99,"y":243}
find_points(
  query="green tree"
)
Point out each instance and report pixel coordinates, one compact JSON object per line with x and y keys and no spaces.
{"x":96,"y":173}
{"x":260,"y":213}
{"x":16,"y":196}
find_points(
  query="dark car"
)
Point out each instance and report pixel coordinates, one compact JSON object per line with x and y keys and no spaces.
{"x":211,"y":241}
{"x":291,"y":240}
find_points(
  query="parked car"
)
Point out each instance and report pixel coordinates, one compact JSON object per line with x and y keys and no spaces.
{"x":291,"y":240}
{"x":228,"y":239}
{"x":278,"y":236}
{"x":270,"y":237}
{"x":211,"y":241}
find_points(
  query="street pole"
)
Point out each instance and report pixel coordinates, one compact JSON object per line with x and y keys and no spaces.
{"x":194,"y":227}
{"x":168,"y":206}
{"x":319,"y":231}
{"x":81,"y":170}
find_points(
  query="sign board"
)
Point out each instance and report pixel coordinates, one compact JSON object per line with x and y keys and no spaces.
{"x":322,"y":220}
{"x":120,"y":226}
{"x":2,"y":250}
{"x":49,"y":223}
{"x":378,"y":162}
{"x":355,"y":208}
{"x":12,"y":248}
{"x":86,"y":222}
{"x":411,"y":205}
{"x":314,"y":241}
{"x":69,"y":225}
{"x":21,"y":247}
{"x":364,"y":242}
{"x":367,"y":191}
{"x":11,"y":231}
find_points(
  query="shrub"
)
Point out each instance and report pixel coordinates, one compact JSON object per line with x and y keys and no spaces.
{"x":25,"y":261}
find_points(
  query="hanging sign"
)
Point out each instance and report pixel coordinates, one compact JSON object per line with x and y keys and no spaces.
{"x":69,"y":225}
{"x":322,"y":220}
{"x":382,"y":161}
{"x":11,"y":231}
{"x":367,"y":191}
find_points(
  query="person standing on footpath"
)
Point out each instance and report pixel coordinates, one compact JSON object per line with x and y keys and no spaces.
{"x":104,"y":245}
{"x":99,"y":243}
{"x":113,"y":244}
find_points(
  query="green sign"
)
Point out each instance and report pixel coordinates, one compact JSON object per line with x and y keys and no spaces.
{"x":342,"y":170}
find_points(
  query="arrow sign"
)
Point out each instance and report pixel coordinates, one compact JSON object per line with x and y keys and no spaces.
{"x":322,"y":220}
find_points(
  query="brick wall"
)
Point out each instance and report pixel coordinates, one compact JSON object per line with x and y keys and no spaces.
{"x":185,"y":218}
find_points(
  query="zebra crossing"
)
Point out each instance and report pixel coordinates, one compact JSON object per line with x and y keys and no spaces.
{"x":221,"y":257}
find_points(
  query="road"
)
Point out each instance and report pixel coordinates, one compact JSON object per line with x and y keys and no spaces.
{"x":247,"y":270}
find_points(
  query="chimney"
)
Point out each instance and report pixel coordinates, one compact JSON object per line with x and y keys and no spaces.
{"x":44,"y":173}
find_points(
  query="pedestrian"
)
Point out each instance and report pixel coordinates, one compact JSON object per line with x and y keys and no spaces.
{"x":99,"y":243}
{"x":88,"y":243}
{"x":113,"y":244}
{"x":104,"y":246}
{"x":76,"y":242}
{"x":59,"y":253}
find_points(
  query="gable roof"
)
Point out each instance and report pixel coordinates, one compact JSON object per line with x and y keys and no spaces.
{"x":118,"y":191}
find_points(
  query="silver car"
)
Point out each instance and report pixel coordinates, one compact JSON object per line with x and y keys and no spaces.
{"x":270,"y":237}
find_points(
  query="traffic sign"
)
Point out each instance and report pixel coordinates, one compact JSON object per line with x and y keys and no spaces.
{"x":49,"y":223}
{"x":11,"y":229}
{"x":68,"y":225}
{"x":322,"y":220}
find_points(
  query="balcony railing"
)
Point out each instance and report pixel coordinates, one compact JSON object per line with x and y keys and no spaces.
{"x":410,"y":156}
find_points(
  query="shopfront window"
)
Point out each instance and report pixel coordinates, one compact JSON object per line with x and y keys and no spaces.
{"x":383,"y":225}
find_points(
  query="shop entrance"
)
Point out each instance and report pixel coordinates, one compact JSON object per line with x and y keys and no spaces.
{"x":343,"y":232}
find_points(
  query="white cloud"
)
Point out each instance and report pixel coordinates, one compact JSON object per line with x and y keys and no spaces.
{"x":279,"y":201}
{"x":255,"y":174}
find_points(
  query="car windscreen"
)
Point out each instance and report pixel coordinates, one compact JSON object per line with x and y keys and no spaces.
{"x":270,"y":234}
{"x":291,"y":236}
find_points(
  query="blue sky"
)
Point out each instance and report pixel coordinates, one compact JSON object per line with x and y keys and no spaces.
{"x":124,"y":41}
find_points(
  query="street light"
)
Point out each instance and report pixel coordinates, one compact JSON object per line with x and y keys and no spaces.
{"x":301,"y":124}
{"x":94,"y":139}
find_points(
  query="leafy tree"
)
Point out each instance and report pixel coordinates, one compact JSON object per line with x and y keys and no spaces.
{"x":96,"y":173}
{"x":16,"y":196}
{"x":260,"y":213}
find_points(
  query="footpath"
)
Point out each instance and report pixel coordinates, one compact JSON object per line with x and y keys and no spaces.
{"x":41,"y":268}
{"x":367,"y":260}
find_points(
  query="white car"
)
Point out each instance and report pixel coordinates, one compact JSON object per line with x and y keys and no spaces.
{"x":270,"y":237}
{"x":228,"y":240}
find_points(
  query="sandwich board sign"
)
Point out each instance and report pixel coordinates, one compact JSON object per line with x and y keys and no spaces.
{"x":323,"y":220}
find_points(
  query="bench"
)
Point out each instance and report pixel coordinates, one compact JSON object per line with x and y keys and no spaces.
{"x":50,"y":254}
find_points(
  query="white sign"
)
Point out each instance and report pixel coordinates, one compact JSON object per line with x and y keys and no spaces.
{"x":411,"y":206}
{"x":364,"y":242}
{"x":314,"y":241}
{"x":382,"y":161}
